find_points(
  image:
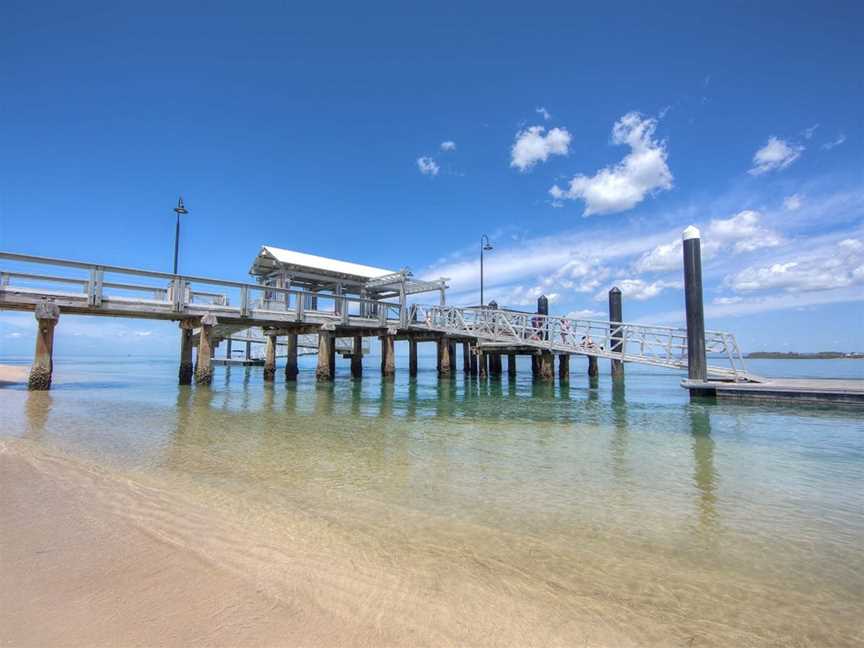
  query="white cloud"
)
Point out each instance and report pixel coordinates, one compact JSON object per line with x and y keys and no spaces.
{"x":741,"y":233}
{"x":585,"y":313}
{"x":826,"y":268}
{"x":666,"y":256}
{"x":638,"y":289}
{"x":427,"y":166}
{"x":142,"y":333}
{"x":520,"y":295}
{"x":835,"y":142}
{"x":623,"y":186}
{"x":777,"y":154}
{"x":807,"y":133}
{"x":793,"y":202}
{"x":542,"y":111}
{"x":737,"y":307}
{"x":532,"y":146}
{"x":448,"y":145}
{"x":14,"y":335}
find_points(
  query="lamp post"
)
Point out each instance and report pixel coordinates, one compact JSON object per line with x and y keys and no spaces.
{"x":180,"y":209}
{"x":485,"y":246}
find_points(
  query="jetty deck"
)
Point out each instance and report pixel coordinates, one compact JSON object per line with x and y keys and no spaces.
{"x":812,"y":390}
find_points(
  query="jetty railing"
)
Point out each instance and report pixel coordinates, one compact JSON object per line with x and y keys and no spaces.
{"x":115,"y":290}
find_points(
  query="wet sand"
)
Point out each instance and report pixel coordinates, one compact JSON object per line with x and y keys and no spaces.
{"x":90,"y":558}
{"x":13,"y":374}
{"x":75,"y":575}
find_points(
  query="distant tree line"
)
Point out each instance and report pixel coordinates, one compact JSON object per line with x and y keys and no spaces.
{"x":791,"y":355}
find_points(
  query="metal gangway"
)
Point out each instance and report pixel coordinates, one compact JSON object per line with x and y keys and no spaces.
{"x":658,"y":346}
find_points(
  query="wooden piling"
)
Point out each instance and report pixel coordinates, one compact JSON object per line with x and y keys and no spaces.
{"x":511,"y":364}
{"x":248,"y":351}
{"x":291,"y":369}
{"x":466,"y":358}
{"x":616,"y":317}
{"x":495,"y":365}
{"x":228,"y":349}
{"x":186,"y":368}
{"x":47,"y":315}
{"x":474,"y":360}
{"x":388,"y":355}
{"x":323,"y":372}
{"x":204,"y":358}
{"x":412,"y":357}
{"x":697,"y":365}
{"x":482,"y":364}
{"x":593,"y":370}
{"x":333,"y":359}
{"x":452,"y":356}
{"x":443,"y":357}
{"x":536,"y":365}
{"x":270,"y":357}
{"x":546,"y":366}
{"x":564,"y":367}
{"x":357,"y":357}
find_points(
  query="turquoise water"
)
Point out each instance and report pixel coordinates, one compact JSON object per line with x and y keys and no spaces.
{"x":623,"y":507}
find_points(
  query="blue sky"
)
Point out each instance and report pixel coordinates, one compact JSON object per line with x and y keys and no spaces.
{"x":582,"y":140}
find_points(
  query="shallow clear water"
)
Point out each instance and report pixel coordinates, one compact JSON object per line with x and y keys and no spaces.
{"x":623,"y":506}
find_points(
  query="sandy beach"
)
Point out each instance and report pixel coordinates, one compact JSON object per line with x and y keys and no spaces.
{"x":75,"y":575}
{"x":13,"y":374}
{"x":90,"y":559}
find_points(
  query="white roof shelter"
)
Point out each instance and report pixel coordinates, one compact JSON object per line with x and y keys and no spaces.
{"x":283,"y":268}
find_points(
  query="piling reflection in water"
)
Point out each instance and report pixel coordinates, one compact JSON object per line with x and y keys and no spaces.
{"x":620,"y":431}
{"x":705,"y":475}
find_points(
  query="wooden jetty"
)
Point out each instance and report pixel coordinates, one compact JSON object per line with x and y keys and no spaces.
{"x":301,"y":300}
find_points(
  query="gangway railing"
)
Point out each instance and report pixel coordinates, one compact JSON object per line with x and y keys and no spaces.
{"x":645,"y":344}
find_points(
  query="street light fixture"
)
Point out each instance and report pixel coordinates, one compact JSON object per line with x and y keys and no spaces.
{"x":180,"y":209}
{"x":485,"y":246}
